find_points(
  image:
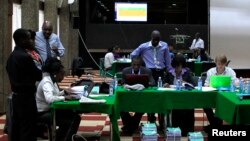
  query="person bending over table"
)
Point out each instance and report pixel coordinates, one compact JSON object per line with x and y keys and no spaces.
{"x":220,"y":69}
{"x":156,"y":56}
{"x":48,"y":92}
{"x":131,"y":123}
{"x":183,"y":118}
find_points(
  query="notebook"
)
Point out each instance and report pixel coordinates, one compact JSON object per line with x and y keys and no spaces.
{"x":220,"y":81}
{"x":132,"y":79}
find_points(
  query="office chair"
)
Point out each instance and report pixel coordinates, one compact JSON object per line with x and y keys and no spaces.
{"x":228,"y":62}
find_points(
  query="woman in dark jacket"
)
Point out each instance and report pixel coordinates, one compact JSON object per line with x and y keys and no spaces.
{"x":183,"y":118}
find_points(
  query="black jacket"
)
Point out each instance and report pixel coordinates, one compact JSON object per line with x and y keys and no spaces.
{"x":22,"y":72}
{"x":143,"y":70}
{"x":187,"y":77}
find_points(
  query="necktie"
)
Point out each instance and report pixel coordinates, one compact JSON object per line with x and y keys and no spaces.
{"x":48,"y":49}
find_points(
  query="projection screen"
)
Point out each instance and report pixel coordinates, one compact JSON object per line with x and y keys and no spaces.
{"x":230,"y":31}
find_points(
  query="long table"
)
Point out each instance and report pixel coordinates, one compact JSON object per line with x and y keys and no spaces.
{"x":227,"y":104}
{"x":153,"y":100}
{"x":107,"y":107}
{"x":231,"y":109}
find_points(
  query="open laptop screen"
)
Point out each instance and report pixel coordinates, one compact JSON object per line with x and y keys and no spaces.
{"x":220,"y":81}
{"x":132,"y":79}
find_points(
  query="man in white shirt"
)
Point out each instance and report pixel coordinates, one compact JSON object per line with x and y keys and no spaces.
{"x":220,"y":69}
{"x":110,"y":57}
{"x":197,"y":45}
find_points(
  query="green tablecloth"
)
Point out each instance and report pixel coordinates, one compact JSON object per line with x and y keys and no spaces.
{"x":107,"y":108}
{"x":231,"y":109}
{"x":153,"y":100}
{"x":197,"y":68}
{"x":118,"y":66}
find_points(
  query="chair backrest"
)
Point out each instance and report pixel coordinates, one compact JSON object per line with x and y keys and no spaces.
{"x":101,"y":69}
{"x":190,"y":65}
{"x":77,"y":66}
{"x":228,"y":62}
{"x":207,"y":65}
{"x":195,"y":78}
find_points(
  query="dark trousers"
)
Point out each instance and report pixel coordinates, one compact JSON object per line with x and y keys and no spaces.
{"x":151,"y":116}
{"x":183,"y":118}
{"x":22,"y":118}
{"x":214,"y":121}
{"x":132,"y":122}
{"x":68,"y":122}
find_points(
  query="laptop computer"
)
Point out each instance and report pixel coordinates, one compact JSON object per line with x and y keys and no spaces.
{"x":220,"y":81}
{"x":132,"y":79}
{"x":82,"y":87}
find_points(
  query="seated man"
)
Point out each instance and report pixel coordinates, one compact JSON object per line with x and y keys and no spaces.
{"x":131,"y":123}
{"x":197,"y":45}
{"x":110,"y":56}
{"x":220,"y":69}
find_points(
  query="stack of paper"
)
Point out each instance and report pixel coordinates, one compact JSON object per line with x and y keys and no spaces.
{"x":76,"y":89}
{"x":149,"y":132}
{"x":173,"y":134}
{"x":195,"y":136}
{"x":89,"y":100}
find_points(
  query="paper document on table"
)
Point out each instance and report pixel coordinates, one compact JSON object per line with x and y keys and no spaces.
{"x":89,"y":100}
{"x":76,"y":89}
{"x":165,"y":89}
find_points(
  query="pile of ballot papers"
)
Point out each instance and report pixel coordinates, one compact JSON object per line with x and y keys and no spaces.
{"x":173,"y":134}
{"x":149,"y":132}
{"x":195,"y":136}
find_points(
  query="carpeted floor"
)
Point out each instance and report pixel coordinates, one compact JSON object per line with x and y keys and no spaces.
{"x":95,"y":127}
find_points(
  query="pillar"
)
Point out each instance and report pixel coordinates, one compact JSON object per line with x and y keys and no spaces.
{"x":5,"y":49}
{"x":50,"y":12}
{"x":30,"y":14}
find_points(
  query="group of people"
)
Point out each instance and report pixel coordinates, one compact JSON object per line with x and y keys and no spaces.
{"x":155,"y":55}
{"x":34,"y":69}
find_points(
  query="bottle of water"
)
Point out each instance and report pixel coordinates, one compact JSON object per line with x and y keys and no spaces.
{"x":232,"y":89}
{"x":178,"y":84}
{"x":111,"y":87}
{"x":186,"y":57}
{"x":115,"y":82}
{"x":159,"y":84}
{"x":241,"y":86}
{"x":199,"y":58}
{"x":89,"y":76}
{"x":199,"y":84}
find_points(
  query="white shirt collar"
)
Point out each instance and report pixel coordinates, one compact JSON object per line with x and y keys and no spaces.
{"x":150,"y":44}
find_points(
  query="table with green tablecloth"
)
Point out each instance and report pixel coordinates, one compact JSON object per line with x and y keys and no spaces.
{"x":107,"y":107}
{"x":231,"y":109}
{"x":199,"y":67}
{"x":117,"y":66}
{"x":153,"y":100}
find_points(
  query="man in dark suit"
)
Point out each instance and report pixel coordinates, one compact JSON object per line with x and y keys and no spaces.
{"x":131,"y":123}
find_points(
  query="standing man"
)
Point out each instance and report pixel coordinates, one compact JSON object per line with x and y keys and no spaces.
{"x":47,"y":43}
{"x":23,"y":74}
{"x":197,"y":45}
{"x":156,"y":56}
